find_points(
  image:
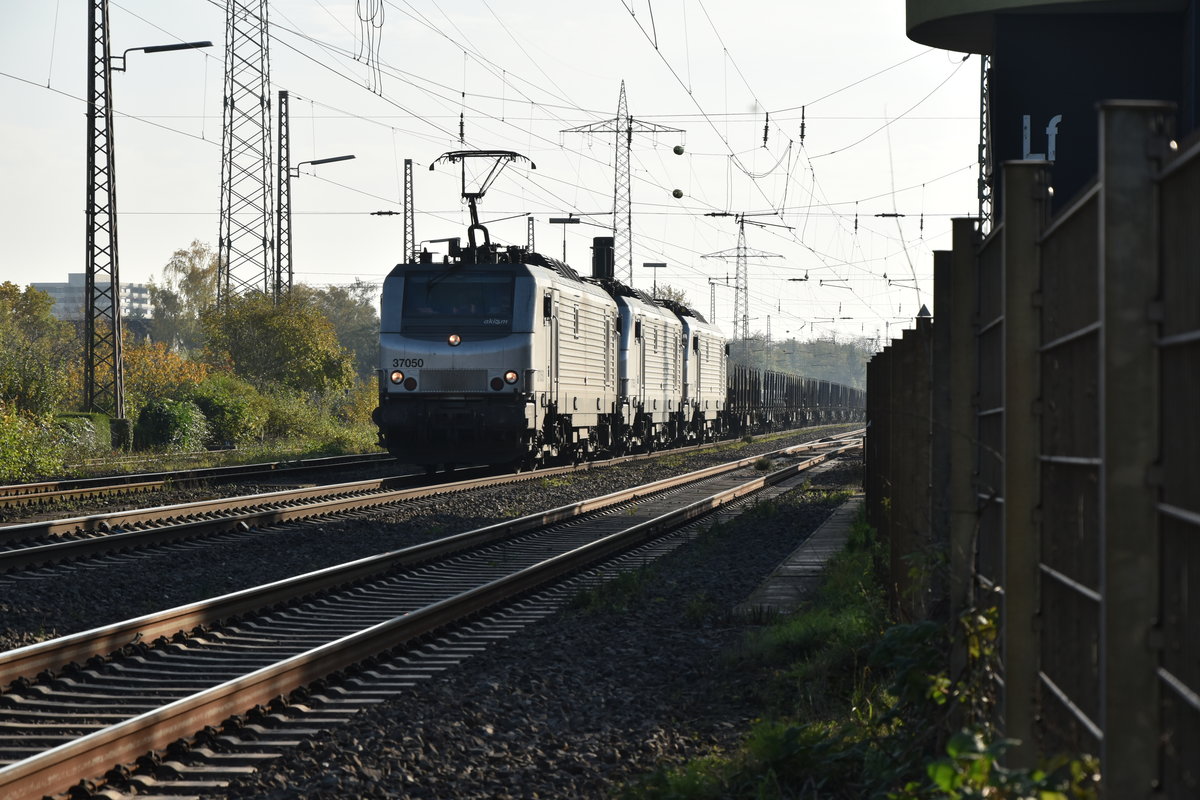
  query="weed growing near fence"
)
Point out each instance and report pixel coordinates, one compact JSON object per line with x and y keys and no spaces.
{"x":856,"y":707}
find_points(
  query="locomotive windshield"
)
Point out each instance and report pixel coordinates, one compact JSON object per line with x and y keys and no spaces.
{"x":464,"y":301}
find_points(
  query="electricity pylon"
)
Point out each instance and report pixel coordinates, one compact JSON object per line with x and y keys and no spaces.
{"x":245,"y":241}
{"x":622,"y":202}
{"x":741,"y":255}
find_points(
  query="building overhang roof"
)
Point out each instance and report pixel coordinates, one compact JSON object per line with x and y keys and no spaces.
{"x":968,"y":26}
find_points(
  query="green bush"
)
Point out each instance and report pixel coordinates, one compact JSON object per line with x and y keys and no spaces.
{"x":84,"y":435}
{"x":292,"y":415}
{"x":346,"y":440}
{"x":30,"y":447}
{"x":326,"y":424}
{"x":173,"y":425}
{"x":235,"y":410}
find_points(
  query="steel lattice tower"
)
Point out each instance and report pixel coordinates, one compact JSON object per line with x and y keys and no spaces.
{"x":529,"y":235}
{"x":622,"y":200}
{"x":245,"y":240}
{"x":985,"y":145}
{"x":713,"y":283}
{"x":741,"y":254}
{"x":410,"y":226}
{"x":282,"y":279}
{"x":103,"y":381}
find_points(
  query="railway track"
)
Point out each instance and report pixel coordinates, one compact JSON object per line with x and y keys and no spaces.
{"x":152,"y":680}
{"x":47,"y":492}
{"x":43,"y":543}
{"x":56,"y":491}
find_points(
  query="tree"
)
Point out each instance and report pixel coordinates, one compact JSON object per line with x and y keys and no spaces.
{"x":189,"y":286}
{"x":665,"y":291}
{"x":291,"y":344}
{"x":36,"y":352}
{"x":352,"y":312}
{"x":154,"y":372}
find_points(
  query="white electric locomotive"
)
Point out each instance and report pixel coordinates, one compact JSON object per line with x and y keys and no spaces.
{"x":500,"y":355}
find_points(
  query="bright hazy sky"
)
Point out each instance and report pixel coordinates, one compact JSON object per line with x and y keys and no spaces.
{"x":890,"y":127}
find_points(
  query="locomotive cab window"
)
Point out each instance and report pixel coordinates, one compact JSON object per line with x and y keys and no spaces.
{"x":547,"y":306}
{"x":466,"y":301}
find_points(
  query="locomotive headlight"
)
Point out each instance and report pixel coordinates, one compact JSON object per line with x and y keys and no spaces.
{"x":396,"y":377}
{"x":511,"y":376}
{"x":455,"y":340}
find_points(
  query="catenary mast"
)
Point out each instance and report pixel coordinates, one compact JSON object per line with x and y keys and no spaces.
{"x":103,"y":384}
{"x":245,"y":240}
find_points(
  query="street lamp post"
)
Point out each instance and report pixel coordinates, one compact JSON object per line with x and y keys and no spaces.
{"x":656,"y":266}
{"x":315,"y":161}
{"x":283,"y":217}
{"x":564,"y":221}
{"x":157,"y":48}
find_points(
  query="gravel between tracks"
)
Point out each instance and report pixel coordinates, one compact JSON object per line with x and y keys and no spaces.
{"x":579,"y":703}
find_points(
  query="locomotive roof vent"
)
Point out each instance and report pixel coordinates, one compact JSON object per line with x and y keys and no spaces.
{"x":602,"y":258}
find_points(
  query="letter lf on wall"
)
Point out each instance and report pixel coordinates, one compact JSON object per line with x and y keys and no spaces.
{"x":1051,"y":139}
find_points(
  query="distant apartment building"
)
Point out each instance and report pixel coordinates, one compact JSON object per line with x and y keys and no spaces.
{"x":69,"y":297}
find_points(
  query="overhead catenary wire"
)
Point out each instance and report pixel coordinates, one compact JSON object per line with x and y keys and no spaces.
{"x":545,"y":188}
{"x":310,"y":39}
{"x":725,"y":56}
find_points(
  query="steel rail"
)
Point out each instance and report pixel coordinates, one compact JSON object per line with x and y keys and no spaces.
{"x":44,"y":491}
{"x":93,"y":754}
{"x":107,"y":522}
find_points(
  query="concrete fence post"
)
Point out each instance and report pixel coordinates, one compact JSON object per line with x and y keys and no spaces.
{"x":959,"y":320}
{"x":1024,"y":218}
{"x":1133,"y":137}
{"x":939,"y":429}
